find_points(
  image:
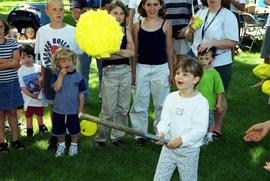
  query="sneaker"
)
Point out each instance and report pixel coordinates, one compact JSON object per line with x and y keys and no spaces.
{"x":207,"y":139}
{"x":7,"y":129}
{"x":4,"y":148}
{"x":29,"y":132}
{"x":43,"y":128}
{"x":18,"y":145}
{"x":118,"y":143}
{"x":140,"y":141}
{"x":60,"y":150}
{"x":73,"y":150}
{"x":52,"y":143}
{"x":99,"y":145}
{"x":21,"y":125}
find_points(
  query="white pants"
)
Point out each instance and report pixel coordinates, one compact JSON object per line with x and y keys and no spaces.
{"x":150,"y":79}
{"x":185,"y":159}
{"x":115,"y":92}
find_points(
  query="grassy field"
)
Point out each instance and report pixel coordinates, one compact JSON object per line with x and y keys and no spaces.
{"x":229,"y":158}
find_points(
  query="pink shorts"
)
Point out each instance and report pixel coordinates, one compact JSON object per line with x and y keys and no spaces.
{"x":34,"y":110}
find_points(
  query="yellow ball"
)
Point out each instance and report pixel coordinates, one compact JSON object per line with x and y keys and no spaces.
{"x":88,"y":128}
{"x":98,"y":33}
{"x":266,"y":87}
{"x":262,"y":71}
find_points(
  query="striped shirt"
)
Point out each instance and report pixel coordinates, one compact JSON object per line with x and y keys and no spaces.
{"x":179,"y":13}
{"x":6,"y":52}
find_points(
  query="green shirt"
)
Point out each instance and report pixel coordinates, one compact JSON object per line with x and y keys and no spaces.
{"x":210,"y":86}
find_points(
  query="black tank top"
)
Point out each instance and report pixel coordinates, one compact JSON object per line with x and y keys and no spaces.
{"x":152,"y":46}
{"x":118,"y":61}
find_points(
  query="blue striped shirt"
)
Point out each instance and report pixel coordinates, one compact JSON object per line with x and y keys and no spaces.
{"x":6,"y":52}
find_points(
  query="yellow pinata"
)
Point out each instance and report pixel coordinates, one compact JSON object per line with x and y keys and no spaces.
{"x":266,"y":87}
{"x":98,"y":33}
{"x":262,"y":71}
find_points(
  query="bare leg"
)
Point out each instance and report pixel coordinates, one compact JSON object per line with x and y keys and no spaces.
{"x":2,"y":126}
{"x":29,"y":122}
{"x":74,"y":139}
{"x":219,"y":117}
{"x":13,"y":123}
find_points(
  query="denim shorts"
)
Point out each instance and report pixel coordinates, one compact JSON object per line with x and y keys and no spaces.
{"x":61,"y":122}
{"x":10,"y":95}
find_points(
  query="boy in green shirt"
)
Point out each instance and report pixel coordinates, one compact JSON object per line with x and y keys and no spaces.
{"x":211,"y":87}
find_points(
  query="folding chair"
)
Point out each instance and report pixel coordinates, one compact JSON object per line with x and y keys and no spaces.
{"x":253,"y":29}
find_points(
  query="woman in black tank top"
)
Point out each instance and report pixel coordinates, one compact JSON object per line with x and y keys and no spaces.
{"x":116,"y":82}
{"x":153,"y":65}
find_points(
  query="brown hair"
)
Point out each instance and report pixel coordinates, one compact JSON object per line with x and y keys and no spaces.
{"x":117,"y":3}
{"x":63,"y":53}
{"x":142,"y":11}
{"x":190,"y":65}
{"x":6,"y":26}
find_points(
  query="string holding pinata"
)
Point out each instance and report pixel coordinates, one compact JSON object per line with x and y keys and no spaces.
{"x":98,"y":33}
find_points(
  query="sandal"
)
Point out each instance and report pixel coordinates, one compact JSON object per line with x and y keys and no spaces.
{"x":18,"y":145}
{"x":4,"y":148}
{"x":216,"y":135}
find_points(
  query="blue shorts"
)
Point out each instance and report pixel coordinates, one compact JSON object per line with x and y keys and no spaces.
{"x":10,"y":95}
{"x":61,"y":122}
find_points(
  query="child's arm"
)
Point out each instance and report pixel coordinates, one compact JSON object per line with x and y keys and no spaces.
{"x":219,"y":107}
{"x":41,"y":78}
{"x":125,"y":53}
{"x":169,"y":49}
{"x":14,"y":63}
{"x":175,"y":142}
{"x":81,"y":100}
{"x":33,"y":95}
{"x":58,"y":84}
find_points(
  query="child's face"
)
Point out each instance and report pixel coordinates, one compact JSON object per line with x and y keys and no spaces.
{"x":55,"y":11}
{"x":152,"y":7}
{"x":185,"y":81}
{"x":119,"y":14}
{"x":27,"y":60}
{"x":206,"y":60}
{"x":30,"y":33}
{"x":66,"y":63}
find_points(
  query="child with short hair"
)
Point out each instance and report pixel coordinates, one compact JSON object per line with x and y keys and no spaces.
{"x":116,"y":82}
{"x":184,"y":121}
{"x":211,"y":87}
{"x":69,"y":99}
{"x":49,"y":38}
{"x":34,"y":103}
{"x":10,"y":93}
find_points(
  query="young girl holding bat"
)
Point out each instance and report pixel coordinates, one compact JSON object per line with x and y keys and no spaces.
{"x":116,"y":82}
{"x":184,"y":121}
{"x":69,"y":88}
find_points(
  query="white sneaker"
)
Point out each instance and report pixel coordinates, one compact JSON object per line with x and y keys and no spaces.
{"x":60,"y":150}
{"x":73,"y":150}
{"x":207,"y":139}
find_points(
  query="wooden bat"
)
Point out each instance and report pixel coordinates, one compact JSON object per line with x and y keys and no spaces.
{"x":123,"y":128}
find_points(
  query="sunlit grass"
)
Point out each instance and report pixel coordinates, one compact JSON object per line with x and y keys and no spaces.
{"x":257,"y":154}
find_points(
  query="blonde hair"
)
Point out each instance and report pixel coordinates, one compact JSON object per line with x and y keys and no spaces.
{"x":50,"y":2}
{"x":63,"y":53}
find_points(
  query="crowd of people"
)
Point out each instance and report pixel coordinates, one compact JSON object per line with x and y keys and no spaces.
{"x":158,"y":35}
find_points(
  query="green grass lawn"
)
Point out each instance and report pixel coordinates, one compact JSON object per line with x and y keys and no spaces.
{"x":229,"y":158}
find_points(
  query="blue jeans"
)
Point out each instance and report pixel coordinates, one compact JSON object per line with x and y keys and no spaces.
{"x":84,"y":69}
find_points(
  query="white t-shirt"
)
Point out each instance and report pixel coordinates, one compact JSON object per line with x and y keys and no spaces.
{"x":27,"y":75}
{"x":134,"y":4}
{"x":185,"y":117}
{"x":48,"y":40}
{"x":224,"y":26}
{"x":234,"y":9}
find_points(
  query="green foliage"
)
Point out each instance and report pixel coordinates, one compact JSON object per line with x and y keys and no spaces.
{"x":229,"y":158}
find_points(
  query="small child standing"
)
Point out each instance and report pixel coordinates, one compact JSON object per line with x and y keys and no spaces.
{"x":69,"y":88}
{"x":211,"y":87}
{"x":34,"y":103}
{"x":184,"y":121}
{"x":116,"y":82}
{"x":10,"y":93}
